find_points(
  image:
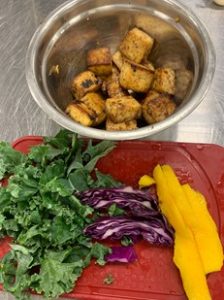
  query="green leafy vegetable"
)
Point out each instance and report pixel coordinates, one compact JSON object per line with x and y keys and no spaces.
{"x":39,"y":211}
{"x":114,"y":210}
{"x":9,"y":159}
{"x":80,"y":180}
{"x":105,"y":180}
{"x":126,"y":241}
{"x":109,"y":279}
{"x":94,"y":152}
{"x":57,"y":277}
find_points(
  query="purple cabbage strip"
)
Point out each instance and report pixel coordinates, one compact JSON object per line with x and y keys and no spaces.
{"x":139,"y":203}
{"x":122,"y":254}
{"x":154,"y":230}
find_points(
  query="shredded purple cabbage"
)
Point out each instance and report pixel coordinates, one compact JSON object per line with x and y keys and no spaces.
{"x":153,"y":230}
{"x":144,"y":219}
{"x":138,"y":203}
{"x":122,"y":254}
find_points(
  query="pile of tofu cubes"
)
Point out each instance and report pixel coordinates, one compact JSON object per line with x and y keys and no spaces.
{"x":119,"y":90}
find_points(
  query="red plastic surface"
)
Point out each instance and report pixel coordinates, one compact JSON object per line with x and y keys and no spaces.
{"x":153,"y":276}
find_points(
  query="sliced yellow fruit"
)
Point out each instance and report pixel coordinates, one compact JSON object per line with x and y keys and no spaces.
{"x":206,"y":234}
{"x":146,"y":181}
{"x":188,"y":261}
{"x":179,"y":197}
{"x":166,"y":203}
{"x":196,"y":216}
{"x":186,"y":253}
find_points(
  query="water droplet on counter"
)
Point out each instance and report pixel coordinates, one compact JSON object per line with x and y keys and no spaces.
{"x":157,"y":146}
{"x":185,"y":176}
{"x":220,"y":193}
{"x":200,"y":147}
{"x":220,"y":186}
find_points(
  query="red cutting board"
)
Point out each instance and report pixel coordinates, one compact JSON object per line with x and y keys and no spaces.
{"x":153,"y":276}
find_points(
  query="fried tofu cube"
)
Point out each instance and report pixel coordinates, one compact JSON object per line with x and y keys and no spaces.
{"x":83,"y":83}
{"x":152,"y":94}
{"x":89,"y":111}
{"x":104,"y":86}
{"x":79,"y":114}
{"x":157,"y":107}
{"x":184,"y":79}
{"x":136,"y":77}
{"x":136,"y":45}
{"x":113,"y":87}
{"x":118,"y":59}
{"x":122,"y":109}
{"x":99,"y":61}
{"x":164,"y":81}
{"x":129,"y":125}
{"x":95,"y":106}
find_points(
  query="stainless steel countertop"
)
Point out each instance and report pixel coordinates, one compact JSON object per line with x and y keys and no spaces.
{"x":20,"y":115}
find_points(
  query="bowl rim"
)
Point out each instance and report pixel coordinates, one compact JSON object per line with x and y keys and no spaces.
{"x":146,"y":131}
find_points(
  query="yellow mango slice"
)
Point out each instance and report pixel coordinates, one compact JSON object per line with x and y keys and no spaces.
{"x":206,"y":234}
{"x":186,"y":254}
{"x":166,"y":203}
{"x":198,"y":220}
{"x":188,"y":261}
{"x":146,"y":181}
{"x":179,"y":197}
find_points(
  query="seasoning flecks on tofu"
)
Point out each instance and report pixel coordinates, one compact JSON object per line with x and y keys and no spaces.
{"x":164,"y":81}
{"x":136,"y":45}
{"x":157,"y":107}
{"x":99,"y":61}
{"x":121,"y":87}
{"x":129,"y":125}
{"x":118,"y":59}
{"x":95,"y":105}
{"x":89,"y":110}
{"x":122,"y":109}
{"x":112,"y":84}
{"x":79,"y":114}
{"x":83,"y":83}
{"x":136,"y":77}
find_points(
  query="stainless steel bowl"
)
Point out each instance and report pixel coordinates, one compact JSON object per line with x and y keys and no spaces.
{"x":76,"y":26}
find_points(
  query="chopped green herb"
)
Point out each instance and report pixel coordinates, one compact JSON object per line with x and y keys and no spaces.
{"x":126,"y":241}
{"x":114,"y":210}
{"x":109,"y":279}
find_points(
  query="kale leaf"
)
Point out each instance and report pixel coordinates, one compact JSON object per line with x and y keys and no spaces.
{"x":39,"y":210}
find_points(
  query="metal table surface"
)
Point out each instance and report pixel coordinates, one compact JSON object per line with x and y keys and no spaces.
{"x":20,"y":115}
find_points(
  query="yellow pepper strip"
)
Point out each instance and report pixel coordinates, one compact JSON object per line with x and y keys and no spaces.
{"x":204,"y":231}
{"x":207,"y":235}
{"x":146,"y":181}
{"x":186,"y":255}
